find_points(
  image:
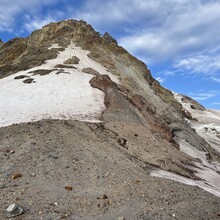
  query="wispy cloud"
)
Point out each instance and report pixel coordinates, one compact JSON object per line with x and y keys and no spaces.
{"x":216,"y":79}
{"x":206,"y":65}
{"x":202,"y":96}
{"x":215,"y":103}
{"x":32,"y":24}
{"x":160,"y":79}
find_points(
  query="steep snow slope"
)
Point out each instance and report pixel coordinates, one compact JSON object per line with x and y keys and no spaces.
{"x":207,"y":125}
{"x":64,"y":93}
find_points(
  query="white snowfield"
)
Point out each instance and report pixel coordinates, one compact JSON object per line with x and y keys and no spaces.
{"x":66,"y":95}
{"x":208,"y":127}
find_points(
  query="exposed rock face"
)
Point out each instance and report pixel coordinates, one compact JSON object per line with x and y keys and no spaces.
{"x":1,"y":42}
{"x":109,"y":39}
{"x":142,"y":120}
{"x":73,"y":60}
{"x":194,"y":104}
{"x":91,"y":71}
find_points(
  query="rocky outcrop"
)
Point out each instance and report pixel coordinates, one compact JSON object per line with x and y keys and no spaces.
{"x":91,"y":71}
{"x":73,"y":60}
{"x":193,"y":104}
{"x":1,"y":42}
{"x":118,"y":108}
{"x":109,"y":39}
{"x":125,"y":105}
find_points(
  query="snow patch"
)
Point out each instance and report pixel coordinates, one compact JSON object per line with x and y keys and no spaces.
{"x":55,"y":46}
{"x":207,"y":171}
{"x":200,"y":183}
{"x":207,"y":125}
{"x":57,"y":95}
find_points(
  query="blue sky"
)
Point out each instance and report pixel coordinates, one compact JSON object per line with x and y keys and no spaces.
{"x":177,"y":39}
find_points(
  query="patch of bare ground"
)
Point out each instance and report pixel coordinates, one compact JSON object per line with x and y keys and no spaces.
{"x":79,"y":170}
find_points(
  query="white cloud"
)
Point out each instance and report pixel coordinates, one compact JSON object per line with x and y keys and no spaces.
{"x":11,"y":11}
{"x":188,"y":26}
{"x":207,"y":65}
{"x":168,"y":73}
{"x":160,"y":79}
{"x":32,"y":24}
{"x":216,"y":79}
{"x":202,"y":96}
{"x":215,"y":103}
{"x":118,"y":11}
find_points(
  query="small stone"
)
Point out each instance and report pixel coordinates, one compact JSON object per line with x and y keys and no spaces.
{"x":120,"y":218}
{"x":33,"y":174}
{"x":12,"y":152}
{"x":15,"y":176}
{"x":2,"y":186}
{"x":122,"y":142}
{"x":104,"y":197}
{"x":14,"y":210}
{"x":28,"y":81}
{"x":137,"y":181}
{"x":109,"y":202}
{"x":69,"y":188}
{"x":54,"y":157}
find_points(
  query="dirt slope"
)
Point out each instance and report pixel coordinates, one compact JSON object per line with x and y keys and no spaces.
{"x":107,"y":180}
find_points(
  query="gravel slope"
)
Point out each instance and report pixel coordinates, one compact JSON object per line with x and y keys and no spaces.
{"x":103,"y":179}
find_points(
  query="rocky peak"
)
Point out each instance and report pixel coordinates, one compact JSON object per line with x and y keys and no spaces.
{"x":62,"y":32}
{"x":109,"y":39}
